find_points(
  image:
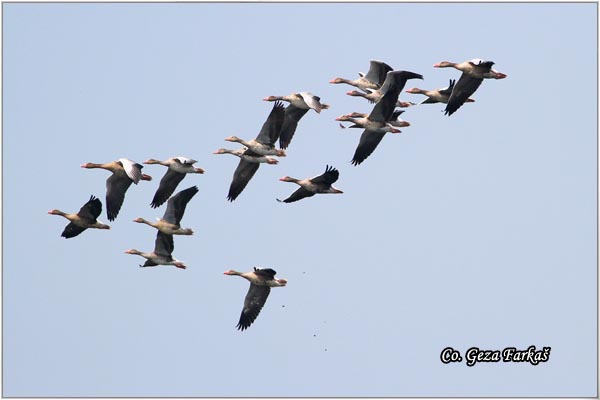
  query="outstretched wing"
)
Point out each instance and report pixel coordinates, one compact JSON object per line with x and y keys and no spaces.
{"x":465,"y":87}
{"x":242,"y":175}
{"x":72,"y":230}
{"x":91,"y":210}
{"x":299,"y":194}
{"x":253,"y":303}
{"x":271,"y":128}
{"x":166,"y":187}
{"x":369,"y":141}
{"x":326,"y":178}
{"x":176,"y":205}
{"x":290,"y":123}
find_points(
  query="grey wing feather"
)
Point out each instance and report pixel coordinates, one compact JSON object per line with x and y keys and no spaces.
{"x":176,"y":205}
{"x":116,"y":186}
{"x":163,"y":245}
{"x":290,"y":123}
{"x":328,"y":177}
{"x":299,"y":194}
{"x":242,"y":175}
{"x":377,"y":72}
{"x":271,"y":128}
{"x":465,"y":87}
{"x":72,"y":230}
{"x":253,"y":303}
{"x":91,"y":210}
{"x":369,"y":141}
{"x":166,"y":187}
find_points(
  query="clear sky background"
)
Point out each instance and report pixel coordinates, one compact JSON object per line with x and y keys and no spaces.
{"x":477,"y":229}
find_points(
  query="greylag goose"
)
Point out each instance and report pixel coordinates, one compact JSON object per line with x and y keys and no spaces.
{"x":178,"y":167}
{"x":170,"y":221}
{"x":84,"y":219}
{"x":375,"y":95}
{"x":473,"y":74}
{"x":436,"y":95}
{"x":261,"y":282}
{"x":247,"y":167}
{"x":372,"y":80}
{"x":311,"y":186}
{"x":376,"y":124}
{"x":124,"y":173}
{"x":392,"y":78}
{"x":299,"y":105}
{"x":394,"y":120}
{"x":264,"y":144}
{"x":163,"y":248}
{"x":249,"y":160}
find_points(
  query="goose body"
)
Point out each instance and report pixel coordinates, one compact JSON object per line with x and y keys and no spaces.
{"x":473,"y":74}
{"x":311,"y":186}
{"x":261,"y":282}
{"x":372,"y":80}
{"x":249,"y":160}
{"x":170,"y":222}
{"x":124,"y":173}
{"x":84,"y":219}
{"x":377,"y":124}
{"x":264,"y":144}
{"x":163,"y":248}
{"x":300,"y":104}
{"x":436,"y":95}
{"x":178,"y":168}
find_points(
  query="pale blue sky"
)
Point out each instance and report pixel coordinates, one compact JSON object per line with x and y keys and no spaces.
{"x":477,"y":229}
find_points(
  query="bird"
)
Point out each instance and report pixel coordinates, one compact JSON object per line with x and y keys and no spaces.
{"x":178,"y":167}
{"x":300,"y":104}
{"x":261,"y":282}
{"x":247,"y":167}
{"x":84,"y":219}
{"x":375,"y":95}
{"x":394,"y":120}
{"x":163,"y":248}
{"x":311,"y":186}
{"x":124,"y":173}
{"x":170,"y":222}
{"x":473,"y":73}
{"x":249,"y":160}
{"x":392,"y":78}
{"x":372,"y":80}
{"x":437,"y":95}
{"x":376,"y":124}
{"x":264,"y":144}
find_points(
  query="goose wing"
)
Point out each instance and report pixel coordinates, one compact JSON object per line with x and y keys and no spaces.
{"x":72,"y":230}
{"x":166,"y":187}
{"x":253,"y":303}
{"x":465,"y":87}
{"x":327,"y":178}
{"x":299,"y":194}
{"x":377,"y":71}
{"x":163,"y":245}
{"x":91,"y":210}
{"x":312,"y":101}
{"x":116,"y":186}
{"x":176,"y":205}
{"x":242,"y":175}
{"x":132,"y":169}
{"x":271,"y":128}
{"x":369,"y":141}
{"x":290,"y":123}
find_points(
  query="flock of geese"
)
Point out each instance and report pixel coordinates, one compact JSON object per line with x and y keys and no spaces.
{"x":381,"y":85}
